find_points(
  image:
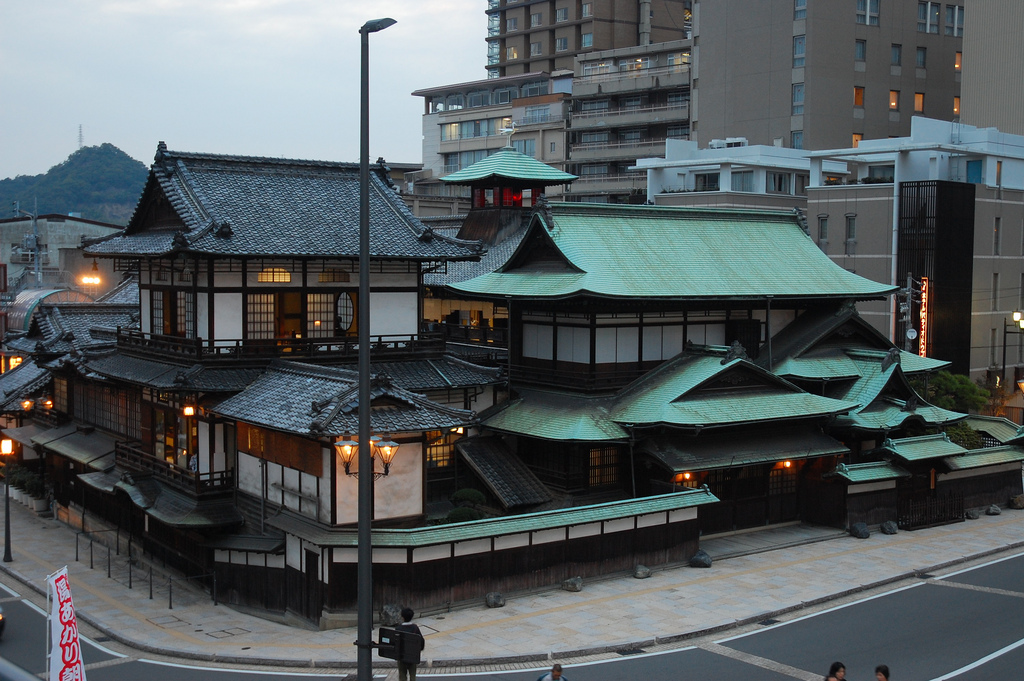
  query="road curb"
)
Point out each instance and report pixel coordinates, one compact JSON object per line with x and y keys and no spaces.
{"x":632,"y":645}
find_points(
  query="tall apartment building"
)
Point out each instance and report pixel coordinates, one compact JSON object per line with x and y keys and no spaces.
{"x":465,"y":122}
{"x":544,"y":35}
{"x":994,"y":58}
{"x":626,"y":103}
{"x":806,"y":74}
{"x":817,"y":74}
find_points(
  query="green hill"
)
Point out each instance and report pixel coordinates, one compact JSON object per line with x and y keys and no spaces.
{"x":100,"y":183}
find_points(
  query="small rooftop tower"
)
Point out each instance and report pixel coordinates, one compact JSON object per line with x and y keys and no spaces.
{"x":498,"y":183}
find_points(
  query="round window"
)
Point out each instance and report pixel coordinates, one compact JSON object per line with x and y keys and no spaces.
{"x":346,"y":312}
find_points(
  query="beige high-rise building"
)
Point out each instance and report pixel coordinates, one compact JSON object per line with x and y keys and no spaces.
{"x":545,"y":35}
{"x":813,"y":74}
{"x":994,"y":66}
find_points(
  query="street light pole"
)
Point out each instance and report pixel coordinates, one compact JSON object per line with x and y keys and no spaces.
{"x":7,"y":449}
{"x":364,"y":569}
{"x":1018,"y":321}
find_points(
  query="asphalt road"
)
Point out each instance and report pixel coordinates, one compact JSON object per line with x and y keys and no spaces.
{"x":967,"y":626}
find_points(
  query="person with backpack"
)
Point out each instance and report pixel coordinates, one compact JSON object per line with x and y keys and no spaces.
{"x":407,"y":670}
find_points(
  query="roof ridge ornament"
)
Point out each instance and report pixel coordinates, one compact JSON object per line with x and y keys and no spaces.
{"x":735,"y":351}
{"x":891,"y":357}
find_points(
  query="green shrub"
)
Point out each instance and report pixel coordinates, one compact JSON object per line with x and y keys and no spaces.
{"x":463,"y":515}
{"x":34,"y":485}
{"x":469,"y":496}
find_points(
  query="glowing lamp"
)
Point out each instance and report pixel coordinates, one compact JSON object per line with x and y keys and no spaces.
{"x":787,"y":464}
{"x":386,"y":450}
{"x":27,"y":404}
{"x":189,"y":410}
{"x":6,"y":446}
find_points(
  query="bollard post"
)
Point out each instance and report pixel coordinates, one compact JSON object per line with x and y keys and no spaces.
{"x":150,"y":582}
{"x":90,"y":554}
{"x":129,"y":571}
{"x":170,"y":588}
{"x":215,"y":588}
{"x":117,"y":541}
{"x":76,"y":546}
{"x":108,"y":562}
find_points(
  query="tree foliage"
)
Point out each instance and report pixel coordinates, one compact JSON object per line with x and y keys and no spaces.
{"x":99,"y":183}
{"x":955,"y":392}
{"x":965,"y":436}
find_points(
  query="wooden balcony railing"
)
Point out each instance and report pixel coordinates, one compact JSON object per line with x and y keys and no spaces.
{"x":477,"y":335}
{"x":342,"y":347}
{"x":130,"y":456}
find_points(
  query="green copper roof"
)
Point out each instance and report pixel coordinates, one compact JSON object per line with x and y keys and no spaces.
{"x":923,"y":447}
{"x":557,"y":416}
{"x":832,"y":365}
{"x":870,"y":472}
{"x":672,"y":395}
{"x":509,"y":164}
{"x":730,"y":449}
{"x":493,"y":527}
{"x":1002,"y":429}
{"x":669,"y":252}
{"x":990,"y":456}
{"x":883,"y":395}
{"x":889,"y":414}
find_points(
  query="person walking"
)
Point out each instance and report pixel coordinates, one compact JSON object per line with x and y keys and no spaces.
{"x":554,"y":675}
{"x":881,"y":673}
{"x":407,"y":670}
{"x":837,"y":672}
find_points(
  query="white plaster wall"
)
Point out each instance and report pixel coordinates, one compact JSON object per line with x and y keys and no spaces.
{"x":394,"y":314}
{"x":204,"y":447}
{"x":219,"y":453}
{"x":290,"y":481}
{"x":202,"y":315}
{"x":145,"y":306}
{"x":397,"y":495}
{"x":325,"y":484}
{"x":227,"y":322}
{"x":248,"y":474}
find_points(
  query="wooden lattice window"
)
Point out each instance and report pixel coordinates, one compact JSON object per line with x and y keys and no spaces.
{"x":260,"y":310}
{"x":604,"y":466}
{"x":274,"y":275}
{"x":320,"y":315}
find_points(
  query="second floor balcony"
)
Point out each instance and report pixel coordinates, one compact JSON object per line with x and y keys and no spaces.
{"x":132,"y":457}
{"x":341,"y":349}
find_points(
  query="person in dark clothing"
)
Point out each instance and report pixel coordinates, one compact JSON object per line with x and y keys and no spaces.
{"x":407,"y":670}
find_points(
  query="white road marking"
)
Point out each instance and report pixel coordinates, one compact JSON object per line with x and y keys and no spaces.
{"x":976,"y":567}
{"x":333,"y":675}
{"x":821,"y":612}
{"x":978,"y":663}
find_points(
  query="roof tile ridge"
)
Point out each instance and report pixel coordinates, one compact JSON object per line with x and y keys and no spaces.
{"x":259,"y":160}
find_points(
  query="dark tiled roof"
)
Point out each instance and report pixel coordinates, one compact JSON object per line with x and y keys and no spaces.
{"x":21,"y":382}
{"x":151,"y":373}
{"x":240,"y":205}
{"x":496,"y":256}
{"x":504,"y":474}
{"x":125,"y":293}
{"x":437,"y":374}
{"x":319,"y":401}
{"x":62,"y":327}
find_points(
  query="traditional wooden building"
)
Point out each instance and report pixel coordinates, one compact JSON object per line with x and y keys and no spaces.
{"x":651,"y":348}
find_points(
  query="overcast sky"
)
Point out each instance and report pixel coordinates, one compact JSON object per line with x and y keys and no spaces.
{"x":254,"y":77}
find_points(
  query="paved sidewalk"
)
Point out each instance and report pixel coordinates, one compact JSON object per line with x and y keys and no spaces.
{"x":670,"y":606}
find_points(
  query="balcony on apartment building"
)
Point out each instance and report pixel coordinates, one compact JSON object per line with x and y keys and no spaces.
{"x":636,"y":80}
{"x":629,"y":150}
{"x":609,"y":183}
{"x":629,"y":116}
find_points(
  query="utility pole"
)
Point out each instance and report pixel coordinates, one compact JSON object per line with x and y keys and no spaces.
{"x":906,"y":298}
{"x":34,"y":241}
